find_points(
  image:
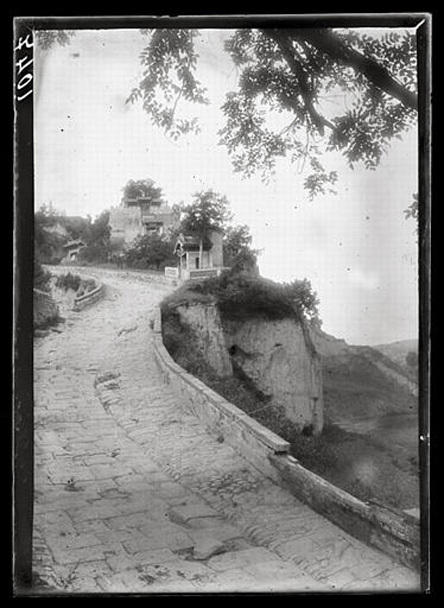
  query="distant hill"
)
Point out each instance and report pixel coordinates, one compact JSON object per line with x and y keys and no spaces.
{"x":398,"y":351}
{"x":362,"y":381}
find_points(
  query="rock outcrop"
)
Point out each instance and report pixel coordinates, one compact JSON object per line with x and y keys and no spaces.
{"x":279,"y":358}
{"x":276,"y":357}
{"x":204,"y":320}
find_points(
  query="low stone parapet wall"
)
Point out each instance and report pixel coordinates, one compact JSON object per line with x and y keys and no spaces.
{"x":394,"y":532}
{"x":249,"y":438}
{"x":90,"y":297}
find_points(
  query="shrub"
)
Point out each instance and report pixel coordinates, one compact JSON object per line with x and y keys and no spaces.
{"x":177,"y":339}
{"x":183,"y":296}
{"x":86,"y":285}
{"x":241,"y":296}
{"x":68,"y":281}
{"x":150,"y":251}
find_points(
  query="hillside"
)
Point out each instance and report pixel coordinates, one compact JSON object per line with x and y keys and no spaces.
{"x":398,"y":353}
{"x":363,"y":382}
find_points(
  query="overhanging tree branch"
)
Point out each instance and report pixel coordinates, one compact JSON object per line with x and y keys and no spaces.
{"x":330,"y":44}
{"x":286,"y":46}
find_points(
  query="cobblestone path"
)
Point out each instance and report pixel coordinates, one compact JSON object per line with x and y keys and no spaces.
{"x":133,"y":495}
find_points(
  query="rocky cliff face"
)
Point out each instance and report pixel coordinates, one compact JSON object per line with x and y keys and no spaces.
{"x":204,"y":320}
{"x":279,"y":358}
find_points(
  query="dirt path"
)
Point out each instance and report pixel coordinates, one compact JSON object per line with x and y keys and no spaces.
{"x":133,"y":495}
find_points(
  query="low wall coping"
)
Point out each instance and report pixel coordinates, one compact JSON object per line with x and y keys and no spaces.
{"x":87,"y":298}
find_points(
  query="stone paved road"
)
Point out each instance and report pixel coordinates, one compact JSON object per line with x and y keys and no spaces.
{"x":134,"y":496}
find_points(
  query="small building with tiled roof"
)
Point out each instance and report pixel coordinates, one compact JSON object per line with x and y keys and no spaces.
{"x":72,"y":250}
{"x":198,"y":257}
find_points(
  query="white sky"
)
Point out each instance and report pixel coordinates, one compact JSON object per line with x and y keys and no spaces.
{"x":356,"y":248}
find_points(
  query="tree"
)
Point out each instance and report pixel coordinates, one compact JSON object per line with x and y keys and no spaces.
{"x":97,"y":239}
{"x":47,"y":243}
{"x":413,"y":211}
{"x":238,"y":254}
{"x":44,"y":40}
{"x":151,"y":250}
{"x":143,"y":188}
{"x":291,"y":73}
{"x":306,"y":301}
{"x":207,"y":212}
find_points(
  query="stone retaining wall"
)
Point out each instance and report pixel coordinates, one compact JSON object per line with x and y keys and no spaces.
{"x":394,"y":532}
{"x":90,"y":297}
{"x":86,"y":299}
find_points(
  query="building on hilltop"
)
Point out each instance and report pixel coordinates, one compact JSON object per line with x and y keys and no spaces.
{"x":197,"y":258}
{"x":137,"y":217}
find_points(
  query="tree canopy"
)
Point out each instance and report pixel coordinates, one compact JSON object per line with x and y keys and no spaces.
{"x":143,"y":188}
{"x":208,"y":211}
{"x":282,"y":106}
{"x":53,"y":229}
{"x":151,"y":251}
{"x":238,"y":253}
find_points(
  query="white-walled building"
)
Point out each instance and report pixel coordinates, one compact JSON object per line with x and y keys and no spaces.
{"x":197,"y":258}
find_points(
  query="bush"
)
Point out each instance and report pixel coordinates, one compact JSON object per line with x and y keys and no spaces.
{"x":68,"y":281}
{"x":177,"y":339}
{"x":242,"y":296}
{"x":150,"y":251}
{"x":86,"y":285}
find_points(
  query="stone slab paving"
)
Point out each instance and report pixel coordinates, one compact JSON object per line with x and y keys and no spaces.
{"x":134,"y":496}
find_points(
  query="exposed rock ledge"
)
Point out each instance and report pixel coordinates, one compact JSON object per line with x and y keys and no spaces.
{"x":276,"y":356}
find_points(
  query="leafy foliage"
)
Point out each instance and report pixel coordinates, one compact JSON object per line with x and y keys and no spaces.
{"x":75,"y":283}
{"x":53,"y":229}
{"x":48,"y":38}
{"x":169,"y":61}
{"x":208,"y":211}
{"x":150,"y":251}
{"x":304,"y":299}
{"x":287,"y":77}
{"x":413,"y":209}
{"x":68,"y":281}
{"x":47,"y":243}
{"x":145,"y":188}
{"x":238,"y":253}
{"x":97,"y":240}
{"x":242,"y":296}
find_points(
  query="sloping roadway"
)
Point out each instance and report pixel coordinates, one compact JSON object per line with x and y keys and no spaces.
{"x":133,"y":495}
